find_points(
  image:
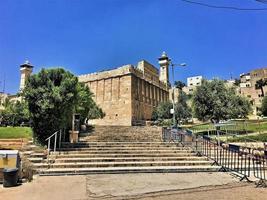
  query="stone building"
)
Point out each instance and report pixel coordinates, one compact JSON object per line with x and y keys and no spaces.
{"x":3,"y":97}
{"x":25,"y":72}
{"x":248,"y":89}
{"x":128,"y":94}
{"x":192,"y":83}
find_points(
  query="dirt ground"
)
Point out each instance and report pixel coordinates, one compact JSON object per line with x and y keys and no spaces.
{"x":196,"y":186}
{"x":237,"y":191}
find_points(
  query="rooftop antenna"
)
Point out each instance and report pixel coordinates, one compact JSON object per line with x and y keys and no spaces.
{"x":4,"y":83}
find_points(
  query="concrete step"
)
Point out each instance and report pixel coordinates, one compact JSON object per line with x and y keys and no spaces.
{"x":122,"y":164}
{"x":37,"y":155}
{"x":86,"y":142}
{"x":90,"y":155}
{"x":126,"y":159}
{"x":114,"y":170}
{"x":81,"y":145}
{"x":35,"y":160}
{"x":123,"y":148}
{"x":12,"y":140}
{"x":124,"y":151}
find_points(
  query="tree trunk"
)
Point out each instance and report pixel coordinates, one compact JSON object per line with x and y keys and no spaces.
{"x":262,"y":92}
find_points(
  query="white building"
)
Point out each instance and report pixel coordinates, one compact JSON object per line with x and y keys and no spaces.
{"x":245,"y":80}
{"x":194,"y":81}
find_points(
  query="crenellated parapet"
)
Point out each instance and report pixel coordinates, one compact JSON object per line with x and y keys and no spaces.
{"x":144,"y":70}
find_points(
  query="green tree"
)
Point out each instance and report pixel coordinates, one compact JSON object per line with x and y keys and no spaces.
{"x":264,"y":106}
{"x":240,"y":106}
{"x":182,"y":110}
{"x":260,"y":84}
{"x":15,"y":113}
{"x":53,"y":95}
{"x":214,"y":101}
{"x":162,"y":111}
{"x":85,"y":104}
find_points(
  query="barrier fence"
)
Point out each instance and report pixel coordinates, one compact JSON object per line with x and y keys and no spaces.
{"x":244,"y":161}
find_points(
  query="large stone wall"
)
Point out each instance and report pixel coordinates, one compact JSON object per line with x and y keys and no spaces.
{"x":112,"y":92}
{"x":127,"y":94}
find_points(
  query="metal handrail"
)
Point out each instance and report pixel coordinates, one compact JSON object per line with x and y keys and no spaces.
{"x":55,"y":141}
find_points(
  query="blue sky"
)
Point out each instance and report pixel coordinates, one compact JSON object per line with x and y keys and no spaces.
{"x":85,"y":36}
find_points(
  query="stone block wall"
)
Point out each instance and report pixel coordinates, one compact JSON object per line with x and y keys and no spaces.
{"x":126,"y":94}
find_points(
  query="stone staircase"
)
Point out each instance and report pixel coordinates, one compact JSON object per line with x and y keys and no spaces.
{"x":125,"y":133}
{"x":123,"y":150}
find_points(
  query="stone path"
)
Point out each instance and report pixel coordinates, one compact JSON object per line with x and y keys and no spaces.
{"x":115,"y":186}
{"x":125,"y":186}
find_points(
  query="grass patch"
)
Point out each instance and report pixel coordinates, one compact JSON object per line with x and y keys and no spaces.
{"x":15,"y":132}
{"x":260,"y":137}
{"x":238,"y":127}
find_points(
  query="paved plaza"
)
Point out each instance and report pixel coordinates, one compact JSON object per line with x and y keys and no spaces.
{"x":135,"y":186}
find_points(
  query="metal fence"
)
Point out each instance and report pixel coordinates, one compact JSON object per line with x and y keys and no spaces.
{"x":259,"y":161}
{"x":178,"y":136}
{"x":244,"y":161}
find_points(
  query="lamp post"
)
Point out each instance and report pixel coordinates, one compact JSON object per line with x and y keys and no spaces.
{"x":173,"y":103}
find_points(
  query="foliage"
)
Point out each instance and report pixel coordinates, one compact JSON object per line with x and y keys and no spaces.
{"x":264,"y":106}
{"x":214,"y":101}
{"x":182,"y":110}
{"x":166,"y":122}
{"x":260,"y":84}
{"x":53,"y":95}
{"x":240,"y":126}
{"x":85,"y":105}
{"x":15,"y":113}
{"x":162,"y":111}
{"x":260,"y":137}
{"x":240,"y":106}
{"x":179,"y":84}
{"x":15,"y":132}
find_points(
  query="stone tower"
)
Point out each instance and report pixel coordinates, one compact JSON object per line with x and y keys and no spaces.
{"x":25,"y":72}
{"x":164,"y":68}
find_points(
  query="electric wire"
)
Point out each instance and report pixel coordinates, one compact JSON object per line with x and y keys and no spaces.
{"x":226,"y":7}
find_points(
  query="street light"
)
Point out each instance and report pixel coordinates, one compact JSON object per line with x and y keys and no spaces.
{"x":173,"y":103}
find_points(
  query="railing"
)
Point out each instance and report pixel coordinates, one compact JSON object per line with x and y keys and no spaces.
{"x":179,"y":137}
{"x":259,"y":167}
{"x":230,"y":157}
{"x":55,"y":136}
{"x":245,"y":161}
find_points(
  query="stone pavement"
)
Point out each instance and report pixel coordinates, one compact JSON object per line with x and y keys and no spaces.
{"x":112,"y":186}
{"x":128,"y":185}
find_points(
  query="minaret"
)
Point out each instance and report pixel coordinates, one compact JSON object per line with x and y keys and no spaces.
{"x":164,"y":68}
{"x":25,"y":72}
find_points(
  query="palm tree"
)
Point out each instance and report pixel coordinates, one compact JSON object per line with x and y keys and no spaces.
{"x":260,"y":84}
{"x":179,"y":84}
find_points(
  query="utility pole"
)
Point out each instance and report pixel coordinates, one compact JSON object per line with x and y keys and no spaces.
{"x":173,"y":102}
